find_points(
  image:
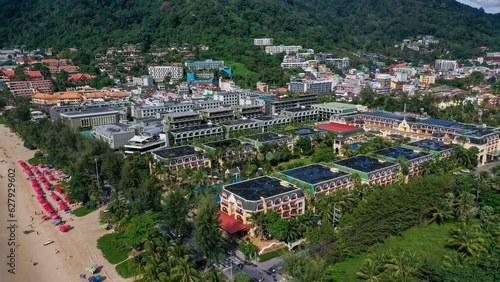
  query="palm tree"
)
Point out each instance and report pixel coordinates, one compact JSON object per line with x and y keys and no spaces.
{"x":138,"y":265}
{"x":440,"y":212}
{"x":184,"y":271}
{"x":156,"y":269}
{"x":465,"y":203}
{"x":466,"y":237}
{"x":369,"y":271}
{"x":355,"y":179}
{"x":214,"y":275}
{"x":403,"y":264}
{"x":454,"y":262}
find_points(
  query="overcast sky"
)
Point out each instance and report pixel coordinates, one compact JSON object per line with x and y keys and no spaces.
{"x":490,"y":6}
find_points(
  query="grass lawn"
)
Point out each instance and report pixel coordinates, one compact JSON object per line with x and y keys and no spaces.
{"x":83,"y":211}
{"x":113,"y":249}
{"x":306,"y":161}
{"x":428,"y":241}
{"x":123,"y":270}
{"x":35,"y":161}
{"x":272,"y":254}
{"x":2,"y":121}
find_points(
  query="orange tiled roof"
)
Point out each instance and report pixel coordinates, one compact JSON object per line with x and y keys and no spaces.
{"x":39,"y":95}
{"x":95,"y":95}
{"x":9,"y":73}
{"x":49,"y":61}
{"x":119,"y":94}
{"x":70,"y":95}
{"x":67,"y":67}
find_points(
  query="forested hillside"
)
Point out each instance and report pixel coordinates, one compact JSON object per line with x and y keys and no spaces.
{"x":230,"y":25}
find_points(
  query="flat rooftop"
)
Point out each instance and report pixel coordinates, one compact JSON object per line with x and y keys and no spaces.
{"x":246,"y":106}
{"x":364,"y":163}
{"x":389,"y":115}
{"x":266,"y":137}
{"x":175,"y":152}
{"x":238,"y":121}
{"x":478,"y":133}
{"x":465,"y":127}
{"x":93,"y":112}
{"x":181,"y":114}
{"x":338,"y":127}
{"x":305,"y":131}
{"x":256,"y":188}
{"x":297,"y":110}
{"x":396,"y":152}
{"x":215,"y":110}
{"x":336,"y":105}
{"x":431,"y":144}
{"x":222,"y":143}
{"x":314,"y":173}
{"x":196,"y":127}
{"x":266,"y":118}
{"x":438,"y":122}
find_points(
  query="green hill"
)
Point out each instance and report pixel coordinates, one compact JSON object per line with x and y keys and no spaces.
{"x":230,"y":25}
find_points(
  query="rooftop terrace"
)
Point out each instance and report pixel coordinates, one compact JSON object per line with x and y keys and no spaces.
{"x":396,"y":152}
{"x":256,"y":188}
{"x":364,"y":163}
{"x":431,"y":144}
{"x":222,"y":143}
{"x":175,"y":152}
{"x":195,"y":127}
{"x":314,"y":173}
{"x":266,"y":137}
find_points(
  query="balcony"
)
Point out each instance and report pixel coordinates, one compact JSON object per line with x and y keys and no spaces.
{"x":224,"y":204}
{"x":285,"y":208}
{"x":239,"y":212}
{"x":293,"y":213}
{"x":294,"y":205}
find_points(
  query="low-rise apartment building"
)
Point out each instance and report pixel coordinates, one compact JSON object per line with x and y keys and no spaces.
{"x":181,"y":120}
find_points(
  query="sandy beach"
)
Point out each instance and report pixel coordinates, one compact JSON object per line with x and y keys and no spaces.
{"x":62,"y":260}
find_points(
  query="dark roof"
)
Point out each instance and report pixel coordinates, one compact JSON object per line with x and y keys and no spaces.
{"x":314,"y":173}
{"x":395,"y":136}
{"x":396,"y":152}
{"x":256,"y":188}
{"x":238,"y":121}
{"x":478,"y":133}
{"x":266,"y":137}
{"x":222,"y":143}
{"x":389,"y":115}
{"x":364,"y":163}
{"x":175,"y":152}
{"x":196,"y":127}
{"x":374,"y":132}
{"x":431,"y":144}
{"x":465,"y":127}
{"x":438,"y":122}
{"x":294,"y":110}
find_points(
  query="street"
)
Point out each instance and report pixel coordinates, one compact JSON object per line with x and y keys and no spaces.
{"x":256,"y":271}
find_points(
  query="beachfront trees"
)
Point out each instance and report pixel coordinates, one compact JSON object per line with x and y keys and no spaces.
{"x":184,"y":271}
{"x":135,"y":229}
{"x":79,"y":187}
{"x":207,"y":233}
{"x":175,"y":210}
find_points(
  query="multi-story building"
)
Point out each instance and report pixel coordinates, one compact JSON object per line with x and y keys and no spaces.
{"x":64,"y":98}
{"x":327,"y":110}
{"x":371,"y":170}
{"x":240,"y":124}
{"x":116,"y":135}
{"x":57,"y":110}
{"x":140,"y":111}
{"x":181,"y":157}
{"x":217,"y":115}
{"x":266,"y":121}
{"x":263,"y":41}
{"x":302,"y":113}
{"x":315,"y":86}
{"x":93,"y":117}
{"x":320,"y":178}
{"x":181,"y":120}
{"x":280,"y":49}
{"x":204,"y":65}
{"x":240,"y":200}
{"x":439,"y":149}
{"x":195,"y":132}
{"x":248,"y":111}
{"x":208,"y":104}
{"x":150,"y":138}
{"x":384,"y":80}
{"x":429,"y":79}
{"x":348,"y":88}
{"x":446,"y":65}
{"x":341,"y":63}
{"x":231,"y":148}
{"x":275,"y":105}
{"x":160,"y":72}
{"x":260,"y":139}
{"x":144,"y":80}
{"x":227,"y":99}
{"x":414,"y":157}
{"x":29,"y":88}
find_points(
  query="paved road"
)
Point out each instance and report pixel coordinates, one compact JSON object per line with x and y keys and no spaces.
{"x":257,"y":271}
{"x":486,"y":167}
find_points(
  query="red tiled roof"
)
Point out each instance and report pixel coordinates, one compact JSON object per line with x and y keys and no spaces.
{"x":337,"y":127}
{"x":230,"y":224}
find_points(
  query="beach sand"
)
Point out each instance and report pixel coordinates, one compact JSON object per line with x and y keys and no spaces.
{"x":80,"y":243}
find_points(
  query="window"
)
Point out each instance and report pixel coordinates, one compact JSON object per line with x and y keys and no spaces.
{"x":300,"y":204}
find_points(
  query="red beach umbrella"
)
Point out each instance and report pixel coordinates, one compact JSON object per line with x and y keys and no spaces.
{"x":53,"y":216}
{"x":59,"y":190}
{"x":44,"y":217}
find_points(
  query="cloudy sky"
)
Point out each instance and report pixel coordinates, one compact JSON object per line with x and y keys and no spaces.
{"x":490,"y":6}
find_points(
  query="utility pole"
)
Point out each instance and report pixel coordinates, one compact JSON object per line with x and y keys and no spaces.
{"x":97,"y":172}
{"x":336,"y":214}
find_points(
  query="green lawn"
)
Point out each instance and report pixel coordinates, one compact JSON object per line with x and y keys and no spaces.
{"x":306,"y":161}
{"x":123,"y":270}
{"x":273,"y":254}
{"x":113,"y":249}
{"x":428,"y":241}
{"x":2,"y":121}
{"x":82,"y":211}
{"x":35,"y":161}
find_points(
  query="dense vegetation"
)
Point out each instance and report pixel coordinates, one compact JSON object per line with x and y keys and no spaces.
{"x":228,"y":26}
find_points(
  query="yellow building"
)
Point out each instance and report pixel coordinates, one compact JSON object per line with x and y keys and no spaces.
{"x":429,"y":79}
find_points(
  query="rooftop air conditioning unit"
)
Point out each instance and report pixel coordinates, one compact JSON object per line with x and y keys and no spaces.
{"x":334,"y":170}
